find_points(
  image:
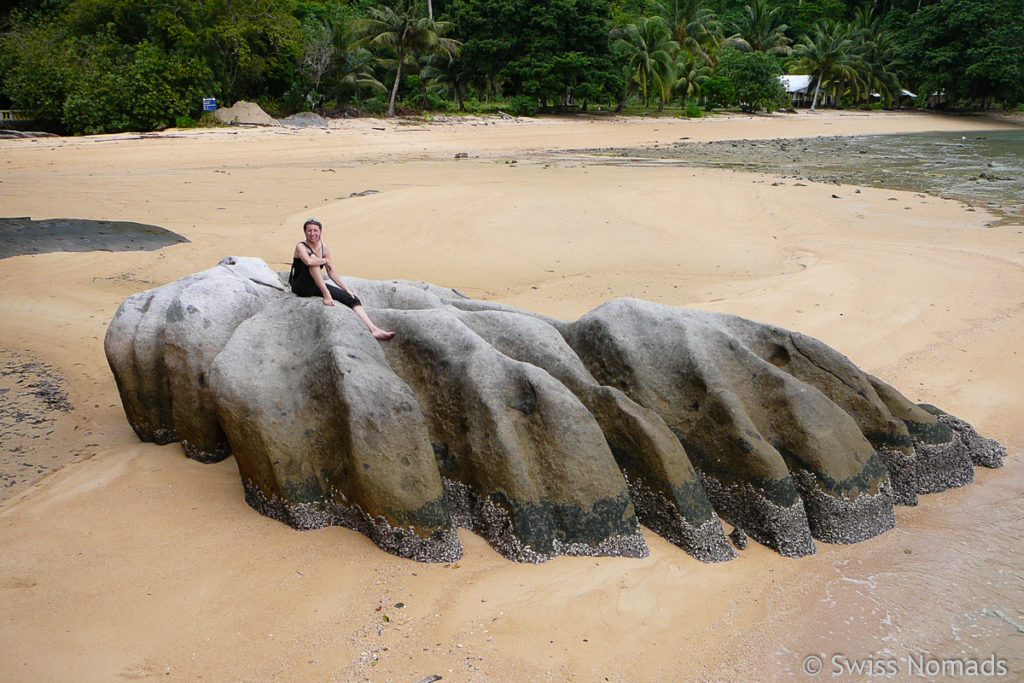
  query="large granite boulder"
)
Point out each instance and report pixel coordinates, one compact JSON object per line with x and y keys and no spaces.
{"x":791,"y":440}
{"x":544,"y":436}
{"x":162,"y":343}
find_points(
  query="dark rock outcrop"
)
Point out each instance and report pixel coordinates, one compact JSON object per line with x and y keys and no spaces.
{"x":546,"y":437}
{"x":22,"y":235}
{"x":304,"y":119}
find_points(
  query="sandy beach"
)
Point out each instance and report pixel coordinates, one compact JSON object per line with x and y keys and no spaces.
{"x":125,"y":560}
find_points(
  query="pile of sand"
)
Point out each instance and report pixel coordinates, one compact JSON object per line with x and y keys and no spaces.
{"x":245,"y":113}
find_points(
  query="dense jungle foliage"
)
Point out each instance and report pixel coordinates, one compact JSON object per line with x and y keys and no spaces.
{"x":90,"y":66}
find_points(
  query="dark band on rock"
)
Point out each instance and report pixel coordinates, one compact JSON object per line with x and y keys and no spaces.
{"x":442,"y":546}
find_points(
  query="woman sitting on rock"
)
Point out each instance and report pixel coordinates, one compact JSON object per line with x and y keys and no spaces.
{"x":310,"y":257}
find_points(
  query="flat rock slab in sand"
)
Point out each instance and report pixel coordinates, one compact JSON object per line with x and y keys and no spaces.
{"x":26,"y":236}
{"x":544,"y":436}
{"x":8,"y":134}
{"x":304,"y":119}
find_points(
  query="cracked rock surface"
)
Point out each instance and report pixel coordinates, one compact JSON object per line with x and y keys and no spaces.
{"x":546,"y":437}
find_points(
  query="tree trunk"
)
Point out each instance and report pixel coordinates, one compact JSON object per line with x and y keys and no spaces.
{"x":458,"y":98}
{"x":661,"y":104}
{"x":814,"y":102}
{"x":430,"y":10}
{"x":394,"y":90}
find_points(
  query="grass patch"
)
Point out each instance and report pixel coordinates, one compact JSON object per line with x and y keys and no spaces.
{"x":208,"y":120}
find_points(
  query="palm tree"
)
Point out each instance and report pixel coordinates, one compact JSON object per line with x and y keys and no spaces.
{"x":694,"y":27}
{"x":649,"y":51}
{"x":880,"y":61}
{"x":864,"y":20}
{"x":758,"y":29}
{"x":830,"y":56}
{"x":353,"y":66}
{"x":405,"y":30}
{"x":442,"y":73}
{"x":877,"y":49}
{"x":690,"y":73}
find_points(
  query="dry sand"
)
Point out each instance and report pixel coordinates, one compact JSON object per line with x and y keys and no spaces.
{"x":131,"y":561}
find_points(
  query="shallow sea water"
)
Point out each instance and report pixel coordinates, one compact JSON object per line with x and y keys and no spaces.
{"x":942,"y":589}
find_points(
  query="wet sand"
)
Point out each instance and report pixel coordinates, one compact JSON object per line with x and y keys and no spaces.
{"x":132,"y":561}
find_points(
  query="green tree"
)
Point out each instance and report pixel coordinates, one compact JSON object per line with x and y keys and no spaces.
{"x":246,"y":43}
{"x":138,"y":88}
{"x":490,"y":32}
{"x":561,"y":51}
{"x":406,"y":31}
{"x":317,"y":57}
{"x":973,"y":50}
{"x":442,"y":75}
{"x":801,"y":15}
{"x":352,"y":72}
{"x":691,"y":73}
{"x":556,"y":51}
{"x":648,"y":52}
{"x":718,"y":92}
{"x":877,"y":51}
{"x":831,"y":56}
{"x":38,"y":67}
{"x":760,"y":29}
{"x":94,"y":82}
{"x":624,"y":12}
{"x":694,"y":27}
{"x":755,"y":79}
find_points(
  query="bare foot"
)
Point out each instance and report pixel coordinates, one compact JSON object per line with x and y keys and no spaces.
{"x":383,"y":335}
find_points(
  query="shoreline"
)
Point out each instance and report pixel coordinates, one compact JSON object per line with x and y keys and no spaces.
{"x":134,"y":535}
{"x":943,"y":165}
{"x":998,"y":119}
{"x":495,"y":135}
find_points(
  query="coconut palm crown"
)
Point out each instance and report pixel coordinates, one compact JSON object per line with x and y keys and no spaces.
{"x":409,"y":32}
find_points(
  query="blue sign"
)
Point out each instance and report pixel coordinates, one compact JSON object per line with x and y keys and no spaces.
{"x":209,"y":104}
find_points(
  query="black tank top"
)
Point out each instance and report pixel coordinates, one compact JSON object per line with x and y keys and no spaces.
{"x":301,"y":281}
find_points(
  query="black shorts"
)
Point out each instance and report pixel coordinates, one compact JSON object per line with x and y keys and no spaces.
{"x":343,"y":297}
{"x":338,"y":294}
